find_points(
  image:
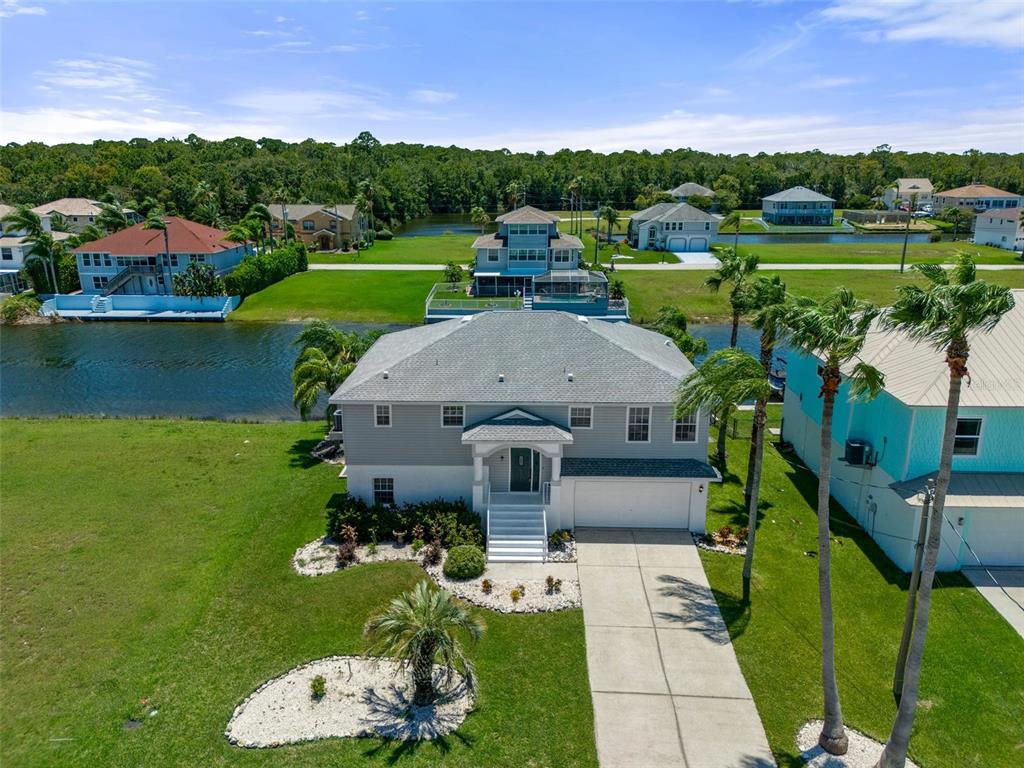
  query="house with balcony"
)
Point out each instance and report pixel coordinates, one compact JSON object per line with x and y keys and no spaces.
{"x":676,"y":227}
{"x":137,"y":261}
{"x":977,"y":198}
{"x":798,"y":206}
{"x":78,"y":212}
{"x":527,"y":265}
{"x":320,"y":227}
{"x":884,"y":451}
{"x":14,"y":250}
{"x":1001,"y":228}
{"x":543,"y":420}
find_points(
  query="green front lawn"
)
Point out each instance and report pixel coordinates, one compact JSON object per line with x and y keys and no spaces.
{"x":872,"y":253}
{"x":431,"y":249}
{"x":971,"y":704}
{"x":152,"y":559}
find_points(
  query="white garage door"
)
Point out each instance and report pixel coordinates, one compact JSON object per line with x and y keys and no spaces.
{"x":677,"y":244}
{"x":635,"y":504}
{"x":996,"y":536}
{"x":698,"y":244}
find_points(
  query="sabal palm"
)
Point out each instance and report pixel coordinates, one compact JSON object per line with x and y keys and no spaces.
{"x":47,"y":251}
{"x":723,"y":381}
{"x":260,"y":213}
{"x":733,"y":220}
{"x":369,"y":192}
{"x":943,"y":314}
{"x":833,"y":330}
{"x":29,"y":223}
{"x":479,"y":217}
{"x":89,"y":233}
{"x":736,"y":271}
{"x":419,"y":629}
{"x":610,"y":216}
{"x":112,"y":218}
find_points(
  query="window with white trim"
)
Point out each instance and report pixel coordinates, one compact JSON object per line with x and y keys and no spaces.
{"x":968,"y":436}
{"x":581,"y":417}
{"x":452,"y":415}
{"x":638,"y":424}
{"x":493,"y":254}
{"x":685,"y":429}
{"x":382,"y":415}
{"x":383,"y":491}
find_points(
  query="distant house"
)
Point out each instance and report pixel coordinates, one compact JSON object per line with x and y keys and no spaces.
{"x":904,"y":189}
{"x":884,"y":450}
{"x":688,"y":189}
{"x":77,"y":212}
{"x":540,"y":420}
{"x":133,"y":261}
{"x":1000,"y":227}
{"x":977,"y":197}
{"x":798,"y":206}
{"x":529,"y":265}
{"x":675,"y":227}
{"x":14,"y":250}
{"x":322,"y":227}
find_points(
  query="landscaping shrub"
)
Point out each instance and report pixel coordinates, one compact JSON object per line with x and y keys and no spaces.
{"x":465,"y":561}
{"x":346,"y":554}
{"x":14,"y":308}
{"x":486,"y":586}
{"x":255,"y":273}
{"x":318,"y":687}
{"x":516,"y":595}
{"x":432,"y":553}
{"x":560,"y":537}
{"x":553,"y":585}
{"x":452,"y":522}
{"x":935,"y":237}
{"x":418,"y":544}
{"x":385,"y":234}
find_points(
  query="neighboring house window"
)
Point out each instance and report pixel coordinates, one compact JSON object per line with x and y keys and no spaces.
{"x":562,"y":256}
{"x":106,"y":260}
{"x":384,"y":491}
{"x":685,"y":429}
{"x":307,"y":226}
{"x":99,"y":282}
{"x":382,"y":415}
{"x":493,"y":254}
{"x":707,"y":226}
{"x":638,"y":424}
{"x":86,"y":259}
{"x":968,"y":435}
{"x":7,"y":254}
{"x":452,"y":415}
{"x":581,"y":417}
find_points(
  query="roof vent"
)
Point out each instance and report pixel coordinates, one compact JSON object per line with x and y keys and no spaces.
{"x":668,"y":342}
{"x":385,"y":374}
{"x":464,"y":320}
{"x":583,"y":319}
{"x":569,"y":377}
{"x":501,"y":378}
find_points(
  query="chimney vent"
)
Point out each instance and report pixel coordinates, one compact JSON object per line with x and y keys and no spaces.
{"x":385,"y":374}
{"x":569,"y":377}
{"x":501,"y":378}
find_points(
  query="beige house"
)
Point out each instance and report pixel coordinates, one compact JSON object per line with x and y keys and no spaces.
{"x":324,"y":228}
{"x":77,"y":212}
{"x":977,"y":197}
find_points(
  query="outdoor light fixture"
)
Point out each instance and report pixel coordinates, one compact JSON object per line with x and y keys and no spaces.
{"x":701,"y":488}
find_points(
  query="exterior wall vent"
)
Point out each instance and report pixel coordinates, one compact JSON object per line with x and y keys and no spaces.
{"x":385,"y":374}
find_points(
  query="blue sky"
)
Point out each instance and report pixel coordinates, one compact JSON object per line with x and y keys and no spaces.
{"x":840,"y":75}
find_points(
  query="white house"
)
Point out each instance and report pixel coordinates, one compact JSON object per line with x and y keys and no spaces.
{"x":1000,"y":228}
{"x":676,"y":227}
{"x":77,"y":212}
{"x":903,"y":190}
{"x":14,"y":250}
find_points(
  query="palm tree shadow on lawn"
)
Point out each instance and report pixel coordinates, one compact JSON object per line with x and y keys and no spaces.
{"x":300,"y":453}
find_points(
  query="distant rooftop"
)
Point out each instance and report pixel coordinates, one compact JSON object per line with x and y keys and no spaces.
{"x":672,"y":212}
{"x":799,"y":195}
{"x":297,"y":211}
{"x":691,"y":188}
{"x":183,"y":236}
{"x":976,"y":190}
{"x":69,"y":206}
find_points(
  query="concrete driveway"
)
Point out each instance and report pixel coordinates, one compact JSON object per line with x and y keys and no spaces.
{"x":1004,"y":589}
{"x":666,"y":686}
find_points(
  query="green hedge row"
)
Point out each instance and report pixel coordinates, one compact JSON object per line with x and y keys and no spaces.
{"x":255,"y":273}
{"x":452,"y":522}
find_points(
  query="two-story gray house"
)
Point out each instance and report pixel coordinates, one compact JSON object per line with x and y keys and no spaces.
{"x":798,"y":206}
{"x":544,"y":420}
{"x":676,"y":227}
{"x":528,"y":265}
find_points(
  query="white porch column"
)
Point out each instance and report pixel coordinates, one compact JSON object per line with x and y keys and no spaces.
{"x":556,"y":468}
{"x":478,"y":484}
{"x":478,"y":468}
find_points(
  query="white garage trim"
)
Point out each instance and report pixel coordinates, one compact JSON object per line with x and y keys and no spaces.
{"x":633,"y":502}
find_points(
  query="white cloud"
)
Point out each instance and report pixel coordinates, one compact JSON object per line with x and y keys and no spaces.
{"x":429,"y":96}
{"x":282,"y":19}
{"x":9,"y":8}
{"x":980,"y":22}
{"x":362,"y":15}
{"x":825,"y":83}
{"x":111,"y":77}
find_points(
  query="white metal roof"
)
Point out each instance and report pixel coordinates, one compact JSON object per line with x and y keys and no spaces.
{"x":999,"y":490}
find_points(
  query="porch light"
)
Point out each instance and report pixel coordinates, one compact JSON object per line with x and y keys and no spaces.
{"x":700,"y":489}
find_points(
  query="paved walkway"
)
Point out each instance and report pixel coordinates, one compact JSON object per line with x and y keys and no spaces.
{"x":666,"y":686}
{"x":1006,"y":595}
{"x":668,"y":267}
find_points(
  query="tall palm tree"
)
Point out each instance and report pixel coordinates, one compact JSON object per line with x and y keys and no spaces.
{"x":735,"y":220}
{"x":245,"y":231}
{"x":513,"y":191}
{"x":43,"y":247}
{"x":419,"y":629}
{"x":611,"y":217}
{"x":833,"y":330}
{"x":155,"y":221}
{"x":369,"y":192}
{"x":261,"y":213}
{"x":363,"y":208}
{"x":737,"y":271}
{"x":730,"y":377}
{"x":326,"y":358}
{"x":575,"y":203}
{"x":89,"y":233}
{"x":112,"y":218}
{"x":479,"y":217}
{"x":944,"y":314}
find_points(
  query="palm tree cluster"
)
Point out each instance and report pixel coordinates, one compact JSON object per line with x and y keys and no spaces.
{"x":326,"y":358}
{"x":254,"y":227}
{"x":43,"y":248}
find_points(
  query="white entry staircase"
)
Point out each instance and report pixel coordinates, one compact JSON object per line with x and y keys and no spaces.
{"x":515,"y":533}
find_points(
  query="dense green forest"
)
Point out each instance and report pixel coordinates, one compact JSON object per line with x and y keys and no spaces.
{"x":410,"y":180}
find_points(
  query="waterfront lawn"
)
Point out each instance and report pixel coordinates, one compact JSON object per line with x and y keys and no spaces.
{"x":151,"y":559}
{"x":430,"y":249}
{"x":648,"y":291}
{"x":872,"y":253}
{"x":345,"y":296}
{"x":970,"y":705}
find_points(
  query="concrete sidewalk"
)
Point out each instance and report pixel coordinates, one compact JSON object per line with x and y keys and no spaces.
{"x":666,"y":686}
{"x":1005,"y":593}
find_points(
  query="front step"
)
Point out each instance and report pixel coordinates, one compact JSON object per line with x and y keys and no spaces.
{"x":517,"y":534}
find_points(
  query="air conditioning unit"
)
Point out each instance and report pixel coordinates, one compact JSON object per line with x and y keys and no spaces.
{"x":857,"y":453}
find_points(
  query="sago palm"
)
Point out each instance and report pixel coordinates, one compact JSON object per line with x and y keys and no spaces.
{"x":418,"y":628}
{"x":735,"y":271}
{"x":832,"y":330}
{"x":943,"y":314}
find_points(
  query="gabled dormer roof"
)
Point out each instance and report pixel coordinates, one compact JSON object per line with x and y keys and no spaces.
{"x":516,"y":425}
{"x":672,"y":212}
{"x":528,"y":215}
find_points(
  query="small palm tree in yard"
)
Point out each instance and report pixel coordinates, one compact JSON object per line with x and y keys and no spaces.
{"x":733,"y":220}
{"x":479,"y":218}
{"x":326,"y":358}
{"x":833,"y":330}
{"x":736,"y":271}
{"x":611,"y":217}
{"x":419,"y":629}
{"x":943,"y":314}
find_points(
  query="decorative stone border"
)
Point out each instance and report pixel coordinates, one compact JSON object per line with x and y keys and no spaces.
{"x":704,"y":541}
{"x":317,"y":558}
{"x":363,"y":697}
{"x":862,"y":753}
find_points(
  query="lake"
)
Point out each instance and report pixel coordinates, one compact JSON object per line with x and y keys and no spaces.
{"x":238,"y":371}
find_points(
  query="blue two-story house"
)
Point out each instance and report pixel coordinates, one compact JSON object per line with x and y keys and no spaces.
{"x":885,"y":450}
{"x":528,"y":265}
{"x":798,"y":206}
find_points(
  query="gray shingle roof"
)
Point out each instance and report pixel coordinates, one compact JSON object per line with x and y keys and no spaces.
{"x":527,"y":215}
{"x":691,"y":188}
{"x":461,"y":360}
{"x":799,"y":195}
{"x":672,"y":212}
{"x":525,"y":428}
{"x":587,"y":467}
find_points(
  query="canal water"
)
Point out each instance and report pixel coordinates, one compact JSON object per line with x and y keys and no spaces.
{"x":238,"y":371}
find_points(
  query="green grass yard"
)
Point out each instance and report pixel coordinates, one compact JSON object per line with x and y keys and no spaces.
{"x":873,"y":253}
{"x":433,"y":249}
{"x":972,"y":685}
{"x":152,"y":559}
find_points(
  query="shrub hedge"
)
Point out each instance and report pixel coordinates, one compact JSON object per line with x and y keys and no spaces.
{"x":465,"y":561}
{"x":452,"y":522}
{"x":255,"y":273}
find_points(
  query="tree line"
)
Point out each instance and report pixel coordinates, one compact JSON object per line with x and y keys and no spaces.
{"x":411,"y":180}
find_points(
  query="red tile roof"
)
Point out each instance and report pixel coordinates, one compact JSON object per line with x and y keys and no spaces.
{"x":975,"y":190}
{"x":184,"y":236}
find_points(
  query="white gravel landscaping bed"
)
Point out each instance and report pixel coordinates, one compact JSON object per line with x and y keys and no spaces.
{"x":863,"y":752}
{"x":708,"y":543}
{"x":318,"y":558}
{"x":363,"y":697}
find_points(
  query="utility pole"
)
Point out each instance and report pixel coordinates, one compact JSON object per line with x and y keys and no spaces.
{"x":906,"y":230}
{"x":597,"y":245}
{"x":915,"y":580}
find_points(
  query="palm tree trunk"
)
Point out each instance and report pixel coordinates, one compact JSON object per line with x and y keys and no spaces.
{"x":735,"y":328}
{"x":908,"y":619}
{"x":895,"y":753}
{"x":760,"y":418}
{"x":52,"y":261}
{"x":423,"y":674}
{"x":833,"y":736}
{"x":736,"y":240}
{"x":757,"y":430}
{"x":723,"y":421}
